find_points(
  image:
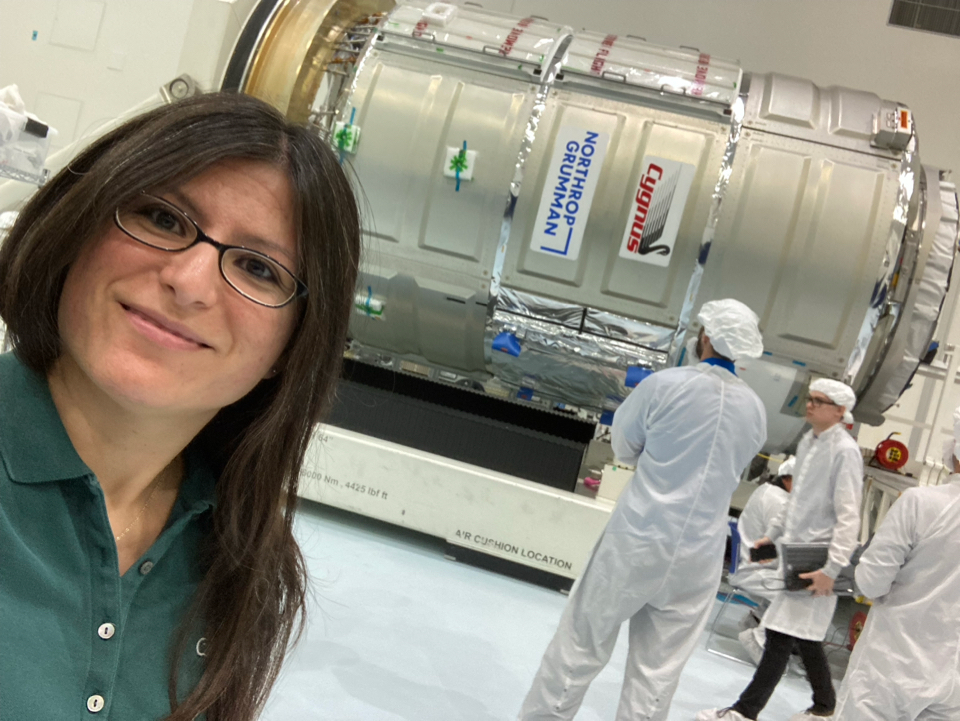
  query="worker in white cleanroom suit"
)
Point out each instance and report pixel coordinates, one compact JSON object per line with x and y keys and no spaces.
{"x":690,"y":431}
{"x":760,"y":580}
{"x":824,"y":507}
{"x":905,"y":665}
{"x":756,"y":521}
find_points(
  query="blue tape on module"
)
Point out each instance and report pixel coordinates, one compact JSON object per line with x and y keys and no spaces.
{"x":507,"y":343}
{"x":635,"y":374}
{"x":606,"y":418}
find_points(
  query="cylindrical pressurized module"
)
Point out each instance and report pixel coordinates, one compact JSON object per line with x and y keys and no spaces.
{"x":546,"y":210}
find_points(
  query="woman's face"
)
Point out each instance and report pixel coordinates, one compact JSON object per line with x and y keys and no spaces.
{"x":164,"y":332}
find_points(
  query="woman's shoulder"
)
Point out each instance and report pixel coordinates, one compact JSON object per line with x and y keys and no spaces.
{"x":33,"y":442}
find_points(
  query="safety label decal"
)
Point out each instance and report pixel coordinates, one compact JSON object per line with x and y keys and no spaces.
{"x":700,"y":79}
{"x":600,"y":59}
{"x":466,"y":538}
{"x":568,"y":193}
{"x":657,"y":208}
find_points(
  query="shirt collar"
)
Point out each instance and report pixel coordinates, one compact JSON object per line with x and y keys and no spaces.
{"x":34,"y":445}
{"x":722,"y":362}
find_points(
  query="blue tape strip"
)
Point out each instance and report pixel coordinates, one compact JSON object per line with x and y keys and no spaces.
{"x":635,"y":374}
{"x":507,"y":343}
{"x":737,"y":598}
{"x":464,"y":156}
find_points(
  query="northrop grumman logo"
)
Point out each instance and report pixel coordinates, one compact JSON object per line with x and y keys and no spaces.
{"x":657,"y":208}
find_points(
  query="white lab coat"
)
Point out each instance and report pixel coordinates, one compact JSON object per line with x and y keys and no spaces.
{"x":763,"y":507}
{"x":905,"y":665}
{"x":690,"y":431}
{"x":824,"y":507}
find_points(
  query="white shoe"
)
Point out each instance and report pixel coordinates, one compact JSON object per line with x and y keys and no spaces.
{"x":748,"y":620}
{"x":754,"y":649}
{"x":721,"y":714}
{"x":808,"y":715}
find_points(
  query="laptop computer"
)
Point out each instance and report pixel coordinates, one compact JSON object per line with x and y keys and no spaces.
{"x":797,"y":558}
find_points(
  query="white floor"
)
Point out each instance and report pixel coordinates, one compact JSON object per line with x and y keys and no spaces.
{"x":398,"y":632}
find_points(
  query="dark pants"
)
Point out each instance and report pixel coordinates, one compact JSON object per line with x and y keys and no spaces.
{"x":776,"y":654}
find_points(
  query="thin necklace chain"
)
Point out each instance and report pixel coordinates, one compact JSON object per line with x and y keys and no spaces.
{"x":156,"y":484}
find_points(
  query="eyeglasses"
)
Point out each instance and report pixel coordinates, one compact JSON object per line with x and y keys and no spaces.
{"x":254,"y":275}
{"x":817,"y":402}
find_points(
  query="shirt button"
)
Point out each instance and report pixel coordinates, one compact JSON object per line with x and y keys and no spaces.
{"x":106,"y":631}
{"x":146,"y":567}
{"x":95,"y":703}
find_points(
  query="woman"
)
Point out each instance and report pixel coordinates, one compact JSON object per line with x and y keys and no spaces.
{"x":178,"y":301}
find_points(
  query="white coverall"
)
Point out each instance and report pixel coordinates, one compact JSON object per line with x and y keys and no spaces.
{"x":824,"y":507}
{"x":763,"y":507}
{"x":905,"y":665}
{"x":690,"y":431}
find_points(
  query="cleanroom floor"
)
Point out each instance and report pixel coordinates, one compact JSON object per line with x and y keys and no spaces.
{"x":396,"y":631}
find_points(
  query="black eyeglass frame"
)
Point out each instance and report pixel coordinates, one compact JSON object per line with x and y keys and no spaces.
{"x":820,"y":402}
{"x":301,"y":287}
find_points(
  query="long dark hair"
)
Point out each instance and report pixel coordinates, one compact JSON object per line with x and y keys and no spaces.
{"x":251,"y":600}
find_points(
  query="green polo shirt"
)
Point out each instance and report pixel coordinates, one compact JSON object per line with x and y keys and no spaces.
{"x":77,"y":639}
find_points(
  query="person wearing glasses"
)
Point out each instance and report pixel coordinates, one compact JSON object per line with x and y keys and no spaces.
{"x":178,"y":300}
{"x":824,"y":507}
